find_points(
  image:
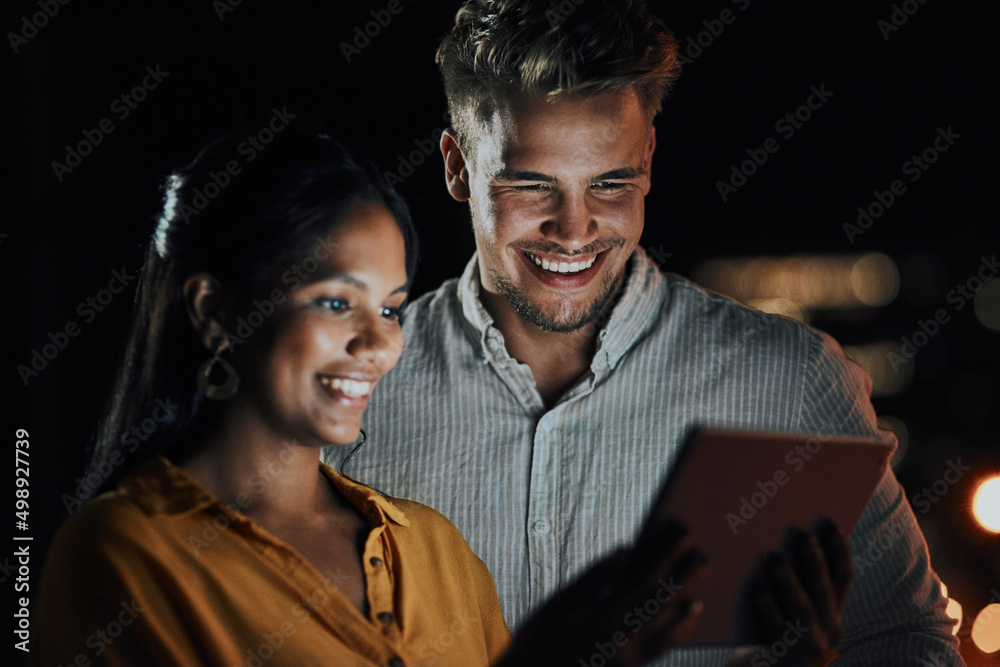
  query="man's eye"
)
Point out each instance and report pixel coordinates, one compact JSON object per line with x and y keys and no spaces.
{"x":609,"y":186}
{"x":534,"y":187}
{"x":335,"y":304}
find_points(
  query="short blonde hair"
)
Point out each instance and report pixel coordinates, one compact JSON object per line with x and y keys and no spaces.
{"x":504,"y":50}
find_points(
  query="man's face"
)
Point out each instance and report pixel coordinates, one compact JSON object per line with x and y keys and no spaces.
{"x":556,"y":190}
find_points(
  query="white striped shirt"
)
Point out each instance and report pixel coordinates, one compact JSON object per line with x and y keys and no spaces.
{"x":541,"y":494}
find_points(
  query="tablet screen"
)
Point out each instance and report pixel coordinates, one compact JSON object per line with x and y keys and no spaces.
{"x":739,"y":490}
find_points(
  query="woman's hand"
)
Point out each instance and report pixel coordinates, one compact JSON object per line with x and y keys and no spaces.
{"x":627,"y":609}
{"x":792,"y":608}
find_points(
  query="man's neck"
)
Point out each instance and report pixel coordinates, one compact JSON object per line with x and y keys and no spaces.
{"x":557,"y":360}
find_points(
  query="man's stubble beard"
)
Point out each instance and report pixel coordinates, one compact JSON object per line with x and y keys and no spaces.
{"x":565,"y":319}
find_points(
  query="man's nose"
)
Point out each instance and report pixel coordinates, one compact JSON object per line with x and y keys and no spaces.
{"x":571,"y":223}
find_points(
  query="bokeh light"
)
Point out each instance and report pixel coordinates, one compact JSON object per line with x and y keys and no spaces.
{"x":986,"y":629}
{"x":986,"y":504}
{"x":792,"y":285}
{"x":986,"y":304}
{"x":902,"y":433}
{"x":954,"y":609}
{"x":877,"y":360}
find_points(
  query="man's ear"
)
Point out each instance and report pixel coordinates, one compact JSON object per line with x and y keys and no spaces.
{"x":647,"y":157}
{"x":207,"y":307}
{"x":456,"y":172}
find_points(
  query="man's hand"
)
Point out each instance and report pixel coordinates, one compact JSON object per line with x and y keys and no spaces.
{"x":793,"y":603}
{"x":628,"y":608}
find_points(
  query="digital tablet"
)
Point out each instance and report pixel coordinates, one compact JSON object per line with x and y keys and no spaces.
{"x":739,"y":490}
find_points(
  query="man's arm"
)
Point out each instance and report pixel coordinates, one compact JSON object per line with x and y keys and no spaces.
{"x":895,"y":612}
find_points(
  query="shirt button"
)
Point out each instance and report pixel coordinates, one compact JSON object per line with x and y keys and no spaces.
{"x":376,"y":561}
{"x":396,"y":662}
{"x":493,"y":344}
{"x":386,"y":617}
{"x":540,"y":527}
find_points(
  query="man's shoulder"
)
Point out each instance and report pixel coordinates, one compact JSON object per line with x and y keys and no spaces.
{"x":698,"y":310}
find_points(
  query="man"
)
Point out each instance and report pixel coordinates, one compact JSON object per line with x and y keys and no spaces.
{"x":542,"y":395}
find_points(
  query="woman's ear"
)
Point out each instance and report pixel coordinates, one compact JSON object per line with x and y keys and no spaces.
{"x":207,"y":307}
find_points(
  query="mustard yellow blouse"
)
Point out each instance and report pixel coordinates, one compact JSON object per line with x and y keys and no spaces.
{"x":161,"y":572}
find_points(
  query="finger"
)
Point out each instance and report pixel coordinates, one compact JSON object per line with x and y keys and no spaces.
{"x":806,"y":556}
{"x":791,"y":598}
{"x":837,"y":550}
{"x":661,"y":546}
{"x":662,"y":610}
{"x":770,"y":617}
{"x":673,"y":632}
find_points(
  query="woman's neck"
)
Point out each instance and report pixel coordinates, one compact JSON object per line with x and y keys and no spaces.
{"x":245,"y":463}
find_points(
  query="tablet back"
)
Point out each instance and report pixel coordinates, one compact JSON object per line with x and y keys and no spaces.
{"x":739,"y":490}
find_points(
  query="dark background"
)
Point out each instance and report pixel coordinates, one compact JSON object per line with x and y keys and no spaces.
{"x":890,"y":96}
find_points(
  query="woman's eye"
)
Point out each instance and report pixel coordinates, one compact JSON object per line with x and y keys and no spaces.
{"x":335,"y":304}
{"x":393,"y":313}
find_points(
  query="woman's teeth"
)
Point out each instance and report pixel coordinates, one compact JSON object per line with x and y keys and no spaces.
{"x":561,"y":267}
{"x":353,"y":388}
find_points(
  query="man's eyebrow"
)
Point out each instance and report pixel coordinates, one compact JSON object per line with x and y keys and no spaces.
{"x":624,"y":173}
{"x":507,"y":174}
{"x":621,"y":174}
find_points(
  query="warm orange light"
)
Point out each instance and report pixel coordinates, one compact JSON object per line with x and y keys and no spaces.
{"x":986,"y":629}
{"x":954,"y":610}
{"x":986,"y":505}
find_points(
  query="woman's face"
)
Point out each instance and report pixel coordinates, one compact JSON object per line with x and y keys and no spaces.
{"x":335,"y":334}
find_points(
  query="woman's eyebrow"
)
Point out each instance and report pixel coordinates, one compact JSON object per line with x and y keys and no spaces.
{"x":351,"y":280}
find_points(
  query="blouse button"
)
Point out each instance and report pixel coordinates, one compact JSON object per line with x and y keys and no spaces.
{"x":386,"y":617}
{"x":396,"y":662}
{"x":375,"y":561}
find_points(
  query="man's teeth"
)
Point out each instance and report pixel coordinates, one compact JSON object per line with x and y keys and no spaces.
{"x":561,"y":267}
{"x":353,"y":388}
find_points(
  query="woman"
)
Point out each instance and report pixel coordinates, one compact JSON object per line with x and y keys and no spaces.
{"x":269,"y":307}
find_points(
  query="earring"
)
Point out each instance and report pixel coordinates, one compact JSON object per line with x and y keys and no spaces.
{"x":222,"y":390}
{"x":357,"y":446}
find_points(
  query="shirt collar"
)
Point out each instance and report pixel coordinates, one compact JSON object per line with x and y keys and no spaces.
{"x":637,"y":310}
{"x":160,"y":487}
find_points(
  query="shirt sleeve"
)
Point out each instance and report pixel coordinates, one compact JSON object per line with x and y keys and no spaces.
{"x":100,"y":601}
{"x":895,"y":612}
